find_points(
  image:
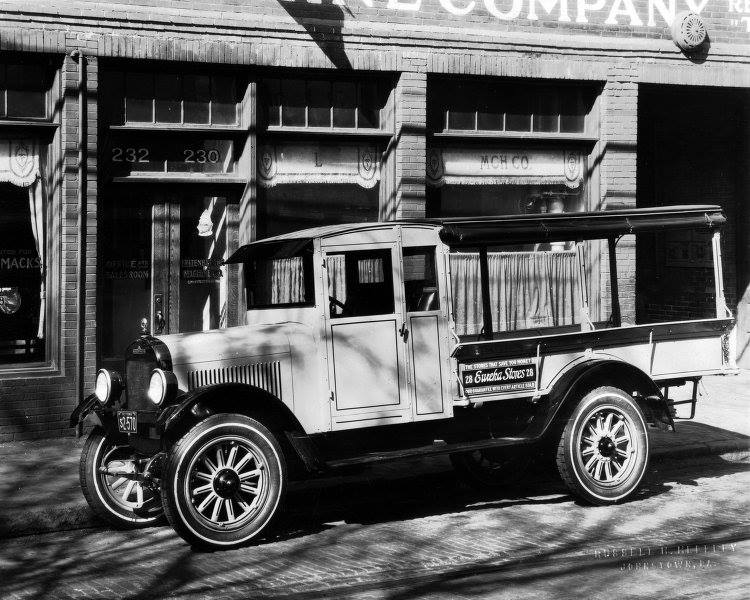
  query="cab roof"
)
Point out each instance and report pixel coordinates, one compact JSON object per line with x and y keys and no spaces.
{"x":510,"y":229}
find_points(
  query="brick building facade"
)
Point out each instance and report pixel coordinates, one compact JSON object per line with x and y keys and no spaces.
{"x":135,"y":122}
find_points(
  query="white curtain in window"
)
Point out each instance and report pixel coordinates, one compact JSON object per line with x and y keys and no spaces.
{"x":527,"y":290}
{"x":287,"y":280}
{"x":20,"y":165}
{"x":370,"y":270}
{"x":36,"y":212}
{"x":467,"y":293}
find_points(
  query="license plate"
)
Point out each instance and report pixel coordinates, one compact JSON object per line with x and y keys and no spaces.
{"x":127,"y":421}
{"x":499,"y":376}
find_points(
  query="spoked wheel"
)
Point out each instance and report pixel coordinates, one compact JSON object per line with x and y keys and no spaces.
{"x":491,"y":468}
{"x":224,"y":482}
{"x":106,"y":473}
{"x":603,"y":452}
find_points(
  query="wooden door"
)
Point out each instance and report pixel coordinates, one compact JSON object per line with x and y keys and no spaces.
{"x":165,"y":268}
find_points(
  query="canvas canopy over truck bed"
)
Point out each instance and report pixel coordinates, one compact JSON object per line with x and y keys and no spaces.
{"x":519,"y":229}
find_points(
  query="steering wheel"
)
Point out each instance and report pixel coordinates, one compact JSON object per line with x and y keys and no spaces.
{"x":345,"y":310}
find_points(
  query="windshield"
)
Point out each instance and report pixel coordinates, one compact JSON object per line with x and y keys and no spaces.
{"x":279,"y":276}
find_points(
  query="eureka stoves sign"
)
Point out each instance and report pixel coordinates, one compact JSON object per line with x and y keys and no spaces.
{"x":727,"y":14}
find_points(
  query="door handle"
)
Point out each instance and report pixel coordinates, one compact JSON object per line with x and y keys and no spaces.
{"x":404,"y":332}
{"x":160,"y":321}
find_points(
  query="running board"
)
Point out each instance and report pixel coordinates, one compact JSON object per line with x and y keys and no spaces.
{"x":435,"y":449}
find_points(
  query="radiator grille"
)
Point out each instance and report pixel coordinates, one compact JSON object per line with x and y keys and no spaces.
{"x":266,"y":376}
{"x":137,"y":377}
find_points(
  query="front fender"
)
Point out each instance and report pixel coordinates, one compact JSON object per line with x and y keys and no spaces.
{"x":87,"y":407}
{"x":189,"y":404}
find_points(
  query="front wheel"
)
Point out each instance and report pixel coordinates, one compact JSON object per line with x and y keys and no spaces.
{"x":602,"y":454}
{"x":224,"y":482}
{"x":109,"y":473}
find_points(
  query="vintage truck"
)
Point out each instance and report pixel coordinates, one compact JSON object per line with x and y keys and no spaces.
{"x":487,"y":339}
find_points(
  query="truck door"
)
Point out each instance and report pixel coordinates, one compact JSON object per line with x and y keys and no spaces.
{"x":366,"y":333}
{"x":427,"y":324}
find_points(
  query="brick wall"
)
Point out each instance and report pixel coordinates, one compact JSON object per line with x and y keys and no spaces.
{"x":424,"y":18}
{"x":37,"y":403}
{"x":619,"y":142}
{"x":411,"y":146}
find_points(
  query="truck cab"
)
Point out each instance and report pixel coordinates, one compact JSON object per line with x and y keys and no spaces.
{"x":487,"y":339}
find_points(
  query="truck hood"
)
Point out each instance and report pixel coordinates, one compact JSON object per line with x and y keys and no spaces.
{"x":227,"y":345}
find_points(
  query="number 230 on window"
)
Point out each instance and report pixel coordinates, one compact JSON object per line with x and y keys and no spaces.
{"x":142,"y":155}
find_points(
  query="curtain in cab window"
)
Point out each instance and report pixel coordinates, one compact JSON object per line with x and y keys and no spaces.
{"x":287,"y":281}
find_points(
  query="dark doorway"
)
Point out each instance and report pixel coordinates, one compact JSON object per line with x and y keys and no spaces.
{"x":693,"y":149}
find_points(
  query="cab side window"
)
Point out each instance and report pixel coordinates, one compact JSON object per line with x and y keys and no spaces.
{"x":420,"y":280}
{"x":360,"y":283}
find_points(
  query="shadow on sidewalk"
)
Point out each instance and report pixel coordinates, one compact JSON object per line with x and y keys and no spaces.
{"x":380,"y":500}
{"x":694,"y":432}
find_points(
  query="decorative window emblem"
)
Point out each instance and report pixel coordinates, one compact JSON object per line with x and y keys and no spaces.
{"x":435,"y":170}
{"x":267,"y":162}
{"x":572,"y":166}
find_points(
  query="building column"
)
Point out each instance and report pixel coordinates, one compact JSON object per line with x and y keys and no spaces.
{"x":619,"y":136}
{"x":403,"y":196}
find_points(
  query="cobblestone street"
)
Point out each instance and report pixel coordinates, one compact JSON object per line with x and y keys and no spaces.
{"x":687,"y":535}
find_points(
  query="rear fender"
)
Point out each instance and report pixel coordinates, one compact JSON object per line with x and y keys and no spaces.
{"x":586,"y":376}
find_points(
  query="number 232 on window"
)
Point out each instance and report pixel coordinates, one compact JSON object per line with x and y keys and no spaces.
{"x":142,"y":155}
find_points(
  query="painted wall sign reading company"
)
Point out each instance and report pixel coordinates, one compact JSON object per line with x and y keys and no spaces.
{"x":652,"y":13}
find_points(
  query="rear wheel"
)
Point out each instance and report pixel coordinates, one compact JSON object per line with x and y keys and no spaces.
{"x":224,"y":482}
{"x":108,"y":471}
{"x":602,"y":454}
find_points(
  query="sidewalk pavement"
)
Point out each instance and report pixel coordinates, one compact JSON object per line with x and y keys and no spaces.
{"x":40,"y":492}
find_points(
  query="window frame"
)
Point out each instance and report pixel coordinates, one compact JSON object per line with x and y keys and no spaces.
{"x":389,"y":281}
{"x":418,"y":250}
{"x":183,"y":97}
{"x":50,"y":76}
{"x":47,"y":133}
{"x":274,"y":85}
{"x":584,"y":93}
{"x":307,"y":253}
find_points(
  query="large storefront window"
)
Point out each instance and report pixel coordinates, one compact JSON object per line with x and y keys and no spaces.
{"x":508,"y":147}
{"x":22,"y":253}
{"x":323,"y":178}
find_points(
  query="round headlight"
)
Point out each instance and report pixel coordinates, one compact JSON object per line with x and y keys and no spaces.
{"x":161,"y":386}
{"x":108,"y":385}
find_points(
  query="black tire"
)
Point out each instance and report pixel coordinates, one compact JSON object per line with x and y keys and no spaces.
{"x":124,"y":503}
{"x":203,"y":482}
{"x":491,"y":469}
{"x":602,"y":454}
